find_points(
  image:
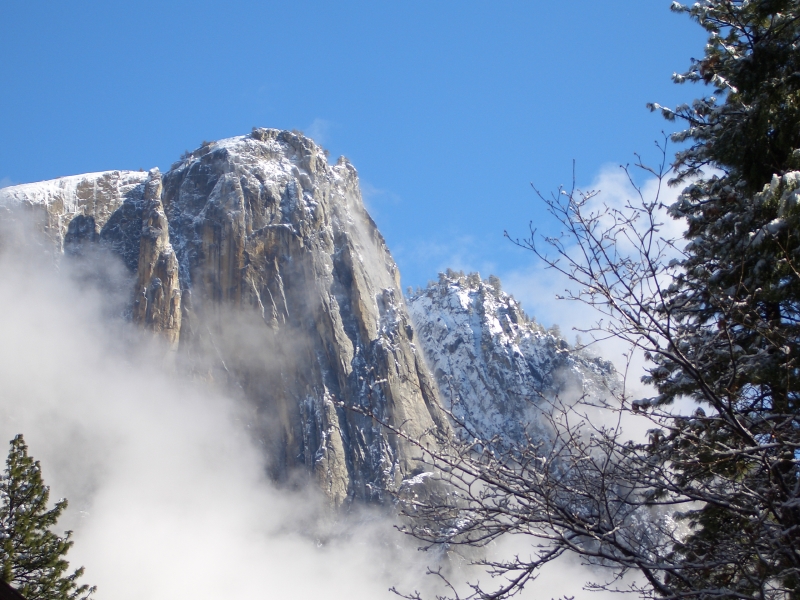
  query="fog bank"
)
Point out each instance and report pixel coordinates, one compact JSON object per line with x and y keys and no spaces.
{"x":168,"y":490}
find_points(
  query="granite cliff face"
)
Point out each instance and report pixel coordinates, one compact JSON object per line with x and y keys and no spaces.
{"x":496,"y":369}
{"x":257,"y":265}
{"x":157,"y":293}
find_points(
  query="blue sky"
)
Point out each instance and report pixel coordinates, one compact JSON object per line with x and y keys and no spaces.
{"x":447,"y":109}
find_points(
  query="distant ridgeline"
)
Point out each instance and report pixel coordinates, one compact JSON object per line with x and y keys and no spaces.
{"x":255,"y":263}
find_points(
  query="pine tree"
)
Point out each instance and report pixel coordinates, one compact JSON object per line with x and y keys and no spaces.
{"x":735,"y":304}
{"x":748,"y":127}
{"x":31,"y":555}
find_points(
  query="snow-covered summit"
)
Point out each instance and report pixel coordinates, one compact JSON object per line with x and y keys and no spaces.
{"x":494,"y":366}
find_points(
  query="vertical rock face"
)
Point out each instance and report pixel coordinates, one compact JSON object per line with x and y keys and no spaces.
{"x":265,"y":225}
{"x":256,"y":261}
{"x":496,"y":368}
{"x":157,"y":299}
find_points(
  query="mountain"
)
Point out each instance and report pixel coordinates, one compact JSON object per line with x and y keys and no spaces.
{"x":255,"y":265}
{"x":497,"y":369}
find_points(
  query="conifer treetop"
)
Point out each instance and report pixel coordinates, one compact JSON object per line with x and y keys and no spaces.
{"x":32,"y":556}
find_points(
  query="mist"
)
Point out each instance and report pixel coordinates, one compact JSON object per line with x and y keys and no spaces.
{"x":168,"y":491}
{"x":167,"y":484}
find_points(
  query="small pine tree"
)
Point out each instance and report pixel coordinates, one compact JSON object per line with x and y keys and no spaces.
{"x":31,"y":555}
{"x":494,"y":281}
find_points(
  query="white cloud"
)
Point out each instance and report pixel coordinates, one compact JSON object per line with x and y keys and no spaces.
{"x":616,"y":192}
{"x":538,"y":287}
{"x":319,"y":131}
{"x":375,"y":197}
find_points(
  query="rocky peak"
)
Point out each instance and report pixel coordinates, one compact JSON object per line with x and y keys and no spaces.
{"x":257,"y":264}
{"x":494,"y":366}
{"x":82,"y":209}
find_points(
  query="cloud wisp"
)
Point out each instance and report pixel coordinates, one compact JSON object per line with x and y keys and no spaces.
{"x":538,"y":286}
{"x":319,"y":130}
{"x":543,"y":290}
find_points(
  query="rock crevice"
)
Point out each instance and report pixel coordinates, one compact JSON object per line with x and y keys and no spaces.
{"x":157,"y":301}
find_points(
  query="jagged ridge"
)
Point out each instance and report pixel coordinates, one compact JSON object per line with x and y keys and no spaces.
{"x":494,"y":366}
